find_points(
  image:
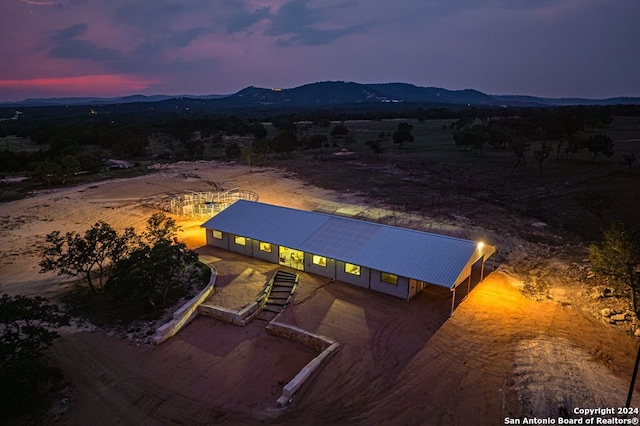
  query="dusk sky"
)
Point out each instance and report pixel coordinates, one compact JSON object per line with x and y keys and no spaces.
{"x":550,"y":48}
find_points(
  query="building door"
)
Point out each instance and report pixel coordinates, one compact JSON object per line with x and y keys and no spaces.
{"x":291,"y":258}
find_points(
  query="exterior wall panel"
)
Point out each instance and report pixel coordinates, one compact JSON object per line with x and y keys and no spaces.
{"x":361,"y":280}
{"x":328,"y":271}
{"x":401,"y":289}
{"x":216,"y":242}
{"x":245,"y":249}
{"x":265,"y":255}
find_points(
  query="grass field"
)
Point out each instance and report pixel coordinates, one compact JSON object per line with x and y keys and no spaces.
{"x":433,"y":176}
{"x":15,"y":144}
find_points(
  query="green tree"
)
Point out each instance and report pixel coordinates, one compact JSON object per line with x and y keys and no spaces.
{"x":403,"y":134}
{"x":48,"y":171}
{"x":628,"y":160}
{"x":158,"y":269}
{"x":245,"y":153}
{"x":375,"y":147}
{"x":574,"y":145}
{"x":597,"y":145}
{"x":340,"y":130}
{"x":27,"y":329}
{"x":519,"y":147}
{"x":85,"y":256}
{"x":541,"y":154}
{"x":233,"y":150}
{"x":284,"y":142}
{"x":262,"y":147}
{"x":316,"y":141}
{"x":618,"y":257}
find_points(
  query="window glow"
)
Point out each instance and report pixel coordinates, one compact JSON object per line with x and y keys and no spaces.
{"x":319,"y":260}
{"x":265,"y":247}
{"x":389,"y":278}
{"x":352,"y":269}
{"x":241,"y":241}
{"x":216,"y":234}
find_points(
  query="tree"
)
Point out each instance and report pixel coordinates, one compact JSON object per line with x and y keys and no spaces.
{"x":519,"y":147}
{"x":83,"y":256}
{"x":473,"y":138}
{"x":262,"y":147}
{"x":233,"y":150}
{"x":574,"y":145}
{"x":339,"y":130}
{"x":46,"y":171}
{"x":160,"y":227}
{"x":316,"y":141}
{"x":375,"y":147}
{"x":245,"y":153}
{"x":284,"y":142}
{"x":628,"y":160}
{"x":403,"y":134}
{"x":156,"y":267}
{"x":27,"y":329}
{"x":542,"y":153}
{"x":597,"y":145}
{"x":618,"y":257}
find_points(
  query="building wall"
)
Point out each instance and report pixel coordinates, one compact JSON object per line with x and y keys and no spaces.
{"x":361,"y":280}
{"x":401,"y":289}
{"x":335,"y":269}
{"x":221,"y":243}
{"x":246,"y":249}
{"x":328,"y":271}
{"x":264,"y":255}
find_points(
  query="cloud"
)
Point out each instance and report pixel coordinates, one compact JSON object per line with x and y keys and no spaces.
{"x":39,"y":2}
{"x":177,"y":39}
{"x":296,"y":23}
{"x":240,"y":20}
{"x":68,"y":46}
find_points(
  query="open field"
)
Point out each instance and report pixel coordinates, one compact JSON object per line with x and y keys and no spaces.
{"x":500,"y":355}
{"x":434,"y":177}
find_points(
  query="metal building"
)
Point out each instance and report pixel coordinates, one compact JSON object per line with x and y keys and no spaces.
{"x":392,"y":260}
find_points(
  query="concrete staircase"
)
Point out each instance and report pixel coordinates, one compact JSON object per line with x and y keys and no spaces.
{"x":279,"y":294}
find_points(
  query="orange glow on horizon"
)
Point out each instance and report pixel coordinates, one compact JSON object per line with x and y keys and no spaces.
{"x":89,"y":84}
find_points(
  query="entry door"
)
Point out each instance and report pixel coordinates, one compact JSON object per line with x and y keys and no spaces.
{"x":291,"y":258}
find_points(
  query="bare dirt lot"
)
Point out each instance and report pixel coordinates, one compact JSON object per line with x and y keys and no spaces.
{"x":500,"y":355}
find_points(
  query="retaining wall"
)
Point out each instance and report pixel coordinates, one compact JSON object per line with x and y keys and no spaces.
{"x":186,"y":313}
{"x":241,"y":317}
{"x":326,"y":345}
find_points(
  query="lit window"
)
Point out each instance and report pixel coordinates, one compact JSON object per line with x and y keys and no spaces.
{"x":319,"y":260}
{"x":216,"y":234}
{"x":389,"y":278}
{"x":241,"y":241}
{"x":265,"y":247}
{"x":350,"y":268}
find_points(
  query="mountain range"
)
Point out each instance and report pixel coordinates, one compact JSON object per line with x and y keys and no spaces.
{"x":334,"y":93}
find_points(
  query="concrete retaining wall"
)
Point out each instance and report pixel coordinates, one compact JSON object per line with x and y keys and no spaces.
{"x":326,"y":345}
{"x":241,"y":317}
{"x":186,"y":313}
{"x":315,"y":341}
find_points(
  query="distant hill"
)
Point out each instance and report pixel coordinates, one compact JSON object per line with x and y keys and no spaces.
{"x":334,"y":93}
{"x":102,"y":101}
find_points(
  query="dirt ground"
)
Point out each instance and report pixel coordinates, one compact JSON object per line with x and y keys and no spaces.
{"x":500,"y":355}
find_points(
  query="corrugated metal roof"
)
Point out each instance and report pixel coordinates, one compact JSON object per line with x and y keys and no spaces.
{"x":433,"y":258}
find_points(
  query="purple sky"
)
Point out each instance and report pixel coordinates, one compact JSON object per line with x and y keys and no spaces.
{"x":551,"y":48}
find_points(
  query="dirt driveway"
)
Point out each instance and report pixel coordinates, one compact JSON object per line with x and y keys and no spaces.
{"x":400,"y":362}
